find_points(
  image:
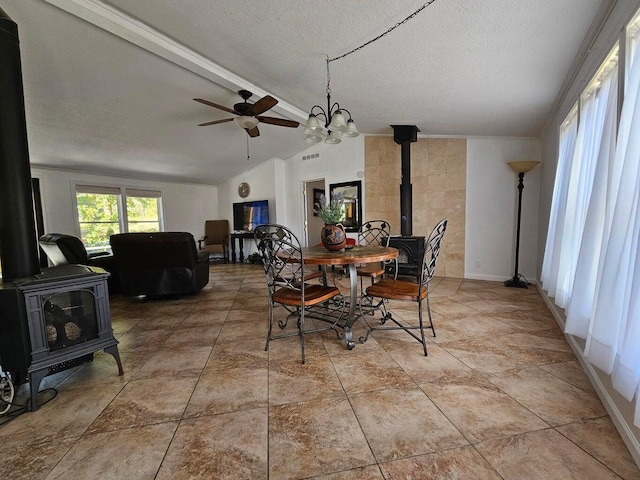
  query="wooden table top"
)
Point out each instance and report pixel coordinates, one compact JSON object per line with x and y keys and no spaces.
{"x":357,"y":254}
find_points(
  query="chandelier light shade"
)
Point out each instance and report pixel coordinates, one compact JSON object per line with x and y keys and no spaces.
{"x":522,"y":167}
{"x":334,"y":121}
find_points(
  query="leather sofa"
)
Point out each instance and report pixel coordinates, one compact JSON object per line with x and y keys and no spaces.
{"x":159,"y":263}
{"x":63,"y":249}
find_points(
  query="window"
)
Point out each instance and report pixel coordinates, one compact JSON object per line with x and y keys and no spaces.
{"x":104,"y":211}
{"x":143,"y":210}
{"x":595,"y":236}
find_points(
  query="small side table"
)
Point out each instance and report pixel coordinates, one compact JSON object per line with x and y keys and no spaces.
{"x":242,"y":236}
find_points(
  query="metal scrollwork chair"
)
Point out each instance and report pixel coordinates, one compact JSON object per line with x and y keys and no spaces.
{"x":283,"y":264}
{"x":392,"y":289}
{"x":376,"y":233}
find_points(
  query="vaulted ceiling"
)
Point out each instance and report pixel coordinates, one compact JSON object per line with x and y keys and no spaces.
{"x":109,"y":85}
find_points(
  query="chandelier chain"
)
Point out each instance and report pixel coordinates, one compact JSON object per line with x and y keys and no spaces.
{"x":402,"y":22}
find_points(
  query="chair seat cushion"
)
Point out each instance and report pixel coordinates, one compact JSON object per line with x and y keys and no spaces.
{"x":214,"y":248}
{"x":313,"y":294}
{"x":396,"y":290}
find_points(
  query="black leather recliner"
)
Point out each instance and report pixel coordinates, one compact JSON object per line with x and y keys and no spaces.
{"x":159,"y":263}
{"x":63,"y":249}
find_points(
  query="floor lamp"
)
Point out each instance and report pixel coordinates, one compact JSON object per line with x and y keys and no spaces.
{"x":520,"y":168}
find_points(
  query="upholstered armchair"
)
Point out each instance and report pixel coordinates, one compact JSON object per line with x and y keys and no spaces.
{"x":216,"y":237}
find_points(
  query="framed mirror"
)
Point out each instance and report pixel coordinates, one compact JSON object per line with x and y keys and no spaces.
{"x":351,"y":192}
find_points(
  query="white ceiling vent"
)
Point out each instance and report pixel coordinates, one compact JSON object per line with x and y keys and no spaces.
{"x":310,"y":156}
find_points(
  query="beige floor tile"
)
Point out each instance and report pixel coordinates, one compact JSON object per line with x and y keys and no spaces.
{"x":129,"y":453}
{"x":229,"y":390}
{"x":538,"y":391}
{"x":175,"y":362}
{"x":401,"y":423}
{"x":571,"y":372}
{"x":144,"y":341}
{"x":313,"y":438}
{"x":244,"y":353}
{"x":104,"y":370}
{"x":463,"y":463}
{"x":32,"y":461}
{"x":68,"y":415}
{"x":538,"y":347}
{"x":146,"y":402}
{"x":600,"y":438}
{"x":480,"y":410}
{"x":437,"y":365}
{"x":372,"y":472}
{"x":193,"y":336}
{"x":291,"y":381}
{"x":227,"y":446}
{"x":486,"y":356}
{"x":542,"y":454}
{"x":364,"y":371}
{"x":240,"y":331}
{"x":204,"y":318}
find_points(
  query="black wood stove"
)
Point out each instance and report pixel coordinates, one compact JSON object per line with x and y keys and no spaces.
{"x":54,"y":320}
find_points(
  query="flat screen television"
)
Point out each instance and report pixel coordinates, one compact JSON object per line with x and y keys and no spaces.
{"x":248,"y":215}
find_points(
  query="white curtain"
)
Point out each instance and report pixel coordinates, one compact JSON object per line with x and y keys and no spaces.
{"x":614,"y":342}
{"x":591,"y":261}
{"x":580,"y":174}
{"x":595,"y":234}
{"x":551,"y":263}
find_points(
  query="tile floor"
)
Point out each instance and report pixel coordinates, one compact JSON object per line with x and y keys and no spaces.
{"x":500,"y":396}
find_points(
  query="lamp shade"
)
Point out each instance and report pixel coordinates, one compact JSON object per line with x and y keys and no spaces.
{"x":313,"y":138}
{"x":524,"y":166}
{"x":333,"y":138}
{"x":338,"y":122}
{"x":351,"y":130}
{"x":246,"y":122}
{"x":312,"y":126}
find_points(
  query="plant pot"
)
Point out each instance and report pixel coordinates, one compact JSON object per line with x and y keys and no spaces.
{"x":333,"y":236}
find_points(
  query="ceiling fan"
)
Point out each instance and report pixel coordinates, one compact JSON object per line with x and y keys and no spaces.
{"x":249,"y":113}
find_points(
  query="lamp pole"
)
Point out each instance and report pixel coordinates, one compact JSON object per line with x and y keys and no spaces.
{"x":520,"y":168}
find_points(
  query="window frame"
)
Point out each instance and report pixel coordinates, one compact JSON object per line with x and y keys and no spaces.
{"x":123,"y":220}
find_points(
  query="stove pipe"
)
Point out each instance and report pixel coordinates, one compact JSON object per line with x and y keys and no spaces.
{"x":18,"y":244}
{"x":404,"y":135}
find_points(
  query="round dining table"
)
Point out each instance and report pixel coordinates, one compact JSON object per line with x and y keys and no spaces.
{"x":350,"y":257}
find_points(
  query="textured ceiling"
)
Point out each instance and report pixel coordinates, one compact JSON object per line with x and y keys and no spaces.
{"x":100,"y":103}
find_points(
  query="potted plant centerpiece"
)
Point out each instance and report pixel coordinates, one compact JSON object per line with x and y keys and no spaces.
{"x":333,"y":235}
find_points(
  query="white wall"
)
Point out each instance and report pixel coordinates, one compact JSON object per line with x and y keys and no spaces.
{"x":491,"y":208}
{"x":263,"y":181}
{"x":336,"y":163}
{"x":185,"y":206}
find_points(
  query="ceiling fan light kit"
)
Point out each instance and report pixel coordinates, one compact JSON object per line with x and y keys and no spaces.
{"x":249,"y":114}
{"x":246,"y":122}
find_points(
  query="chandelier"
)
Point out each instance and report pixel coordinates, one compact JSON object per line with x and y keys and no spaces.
{"x":334,"y":121}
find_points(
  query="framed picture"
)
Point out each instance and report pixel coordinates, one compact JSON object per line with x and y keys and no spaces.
{"x":317,"y":192}
{"x":351,"y":192}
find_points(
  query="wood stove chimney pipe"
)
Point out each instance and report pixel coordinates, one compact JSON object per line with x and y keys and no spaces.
{"x":18,"y":243}
{"x":404,"y":135}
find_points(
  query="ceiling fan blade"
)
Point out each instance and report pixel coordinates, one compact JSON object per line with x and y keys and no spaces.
{"x":262,"y":105}
{"x":215,"y":122}
{"x":278,"y":121}
{"x":215,"y":105}
{"x":254,"y":132}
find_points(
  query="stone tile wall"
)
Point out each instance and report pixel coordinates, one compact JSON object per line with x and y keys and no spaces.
{"x":438,"y":175}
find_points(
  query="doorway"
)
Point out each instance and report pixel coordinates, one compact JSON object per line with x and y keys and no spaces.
{"x":312,"y":223}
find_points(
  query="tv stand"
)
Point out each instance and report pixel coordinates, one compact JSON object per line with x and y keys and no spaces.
{"x":242,"y":235}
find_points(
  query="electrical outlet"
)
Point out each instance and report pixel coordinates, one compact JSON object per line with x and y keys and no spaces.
{"x":477,"y":263}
